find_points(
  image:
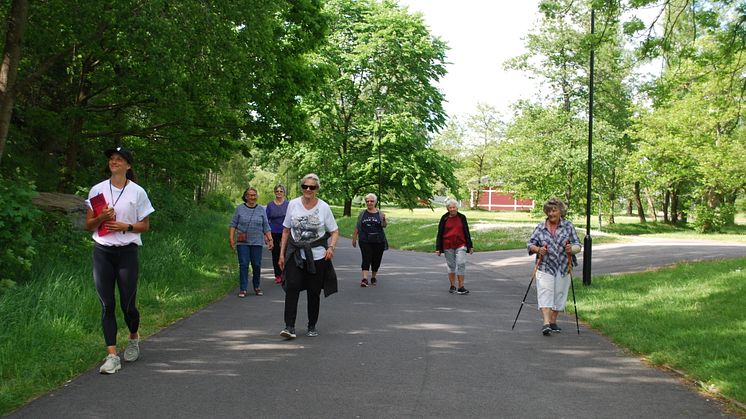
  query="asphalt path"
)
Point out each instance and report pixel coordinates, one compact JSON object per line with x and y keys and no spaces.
{"x":405,"y":349}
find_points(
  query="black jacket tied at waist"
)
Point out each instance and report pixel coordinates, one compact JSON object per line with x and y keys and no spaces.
{"x":294,"y":246}
{"x":292,"y":255}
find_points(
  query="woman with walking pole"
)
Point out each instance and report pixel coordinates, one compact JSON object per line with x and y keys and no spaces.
{"x":556,"y":243}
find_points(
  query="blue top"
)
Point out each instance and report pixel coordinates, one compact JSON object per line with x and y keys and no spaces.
{"x":556,"y":257}
{"x":252,"y":221}
{"x":276,"y":215}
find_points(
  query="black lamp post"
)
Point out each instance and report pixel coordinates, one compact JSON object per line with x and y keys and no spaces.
{"x":379,"y":115}
{"x":588,"y":241}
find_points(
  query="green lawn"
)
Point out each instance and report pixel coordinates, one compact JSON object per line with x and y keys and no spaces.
{"x":689,"y":317}
{"x":416,"y":230}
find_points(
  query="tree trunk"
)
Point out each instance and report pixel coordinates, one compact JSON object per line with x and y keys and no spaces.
{"x":9,"y":68}
{"x":348,"y":208}
{"x":674,"y":206}
{"x":629,"y":207}
{"x":651,"y":204}
{"x":666,"y":204}
{"x":730,"y":199}
{"x":638,"y":202}
{"x":76,"y":128}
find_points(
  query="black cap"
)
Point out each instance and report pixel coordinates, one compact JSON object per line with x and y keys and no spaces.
{"x":122,"y":152}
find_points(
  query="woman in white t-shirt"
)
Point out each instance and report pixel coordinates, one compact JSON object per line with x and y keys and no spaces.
{"x":118,"y":211}
{"x":305,"y":254}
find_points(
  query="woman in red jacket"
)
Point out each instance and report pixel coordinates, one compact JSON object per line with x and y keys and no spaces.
{"x":454,"y":240}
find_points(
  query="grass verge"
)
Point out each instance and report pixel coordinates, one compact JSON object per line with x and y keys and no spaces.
{"x":51,"y":325}
{"x":416,"y":230}
{"x":689,"y":317}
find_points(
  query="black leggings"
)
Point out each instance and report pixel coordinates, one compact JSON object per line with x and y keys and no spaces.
{"x":372,"y":255}
{"x":276,"y":239}
{"x":297,"y":280}
{"x":116,"y":265}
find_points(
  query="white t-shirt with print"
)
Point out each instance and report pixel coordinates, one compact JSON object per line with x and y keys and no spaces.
{"x":308,"y":225}
{"x":132,"y":206}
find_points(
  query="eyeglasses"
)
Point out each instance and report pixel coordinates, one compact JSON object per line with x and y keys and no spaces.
{"x":279,"y":191}
{"x":369,"y":201}
{"x":311,"y":187}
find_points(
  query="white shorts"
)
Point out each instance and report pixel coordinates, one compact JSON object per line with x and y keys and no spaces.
{"x":551,"y":290}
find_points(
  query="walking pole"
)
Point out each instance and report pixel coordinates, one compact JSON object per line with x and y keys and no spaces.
{"x":569,"y":265}
{"x":538,"y":262}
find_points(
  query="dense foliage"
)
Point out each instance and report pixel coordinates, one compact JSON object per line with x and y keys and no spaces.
{"x":378,"y":107}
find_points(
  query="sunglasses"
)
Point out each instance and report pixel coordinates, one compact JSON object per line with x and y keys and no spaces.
{"x":311,"y":187}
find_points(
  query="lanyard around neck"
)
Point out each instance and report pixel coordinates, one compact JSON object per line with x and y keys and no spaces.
{"x":111,"y":191}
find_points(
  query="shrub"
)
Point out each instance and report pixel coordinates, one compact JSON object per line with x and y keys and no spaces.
{"x":17,"y":216}
{"x":219,"y":201}
{"x":712,"y":220}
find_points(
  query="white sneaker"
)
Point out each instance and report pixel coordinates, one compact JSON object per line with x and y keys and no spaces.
{"x":132,"y":351}
{"x":111,"y":365}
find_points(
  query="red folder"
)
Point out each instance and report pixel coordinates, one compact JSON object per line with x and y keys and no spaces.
{"x":98,"y":203}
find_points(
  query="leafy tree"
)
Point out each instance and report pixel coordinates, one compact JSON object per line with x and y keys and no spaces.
{"x":694,"y":131}
{"x":378,"y":56}
{"x":558,"y":54}
{"x":484,"y":131}
{"x":542,"y":152}
{"x":182,"y":83}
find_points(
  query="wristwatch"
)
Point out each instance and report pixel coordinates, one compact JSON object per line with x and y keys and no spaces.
{"x":130,"y":227}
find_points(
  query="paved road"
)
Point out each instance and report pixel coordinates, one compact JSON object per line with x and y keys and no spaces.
{"x":407,"y":348}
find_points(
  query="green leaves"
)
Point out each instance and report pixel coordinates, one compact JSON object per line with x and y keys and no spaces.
{"x":378,"y":57}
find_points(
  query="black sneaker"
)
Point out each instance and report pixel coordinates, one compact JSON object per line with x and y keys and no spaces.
{"x":312,"y":332}
{"x":364,"y":283}
{"x":462,"y":291}
{"x":555,"y":327}
{"x":452,"y":289}
{"x":546,"y":330}
{"x":288,"y":332}
{"x":373,"y":282}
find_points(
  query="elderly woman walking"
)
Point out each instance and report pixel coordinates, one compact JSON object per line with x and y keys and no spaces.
{"x":248,"y":231}
{"x":369,"y":227}
{"x":555,"y":242}
{"x":454,"y":240}
{"x":309,"y":237}
{"x":276,"y":210}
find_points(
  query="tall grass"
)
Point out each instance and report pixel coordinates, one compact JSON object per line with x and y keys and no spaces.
{"x":689,"y":317}
{"x":51,"y":324}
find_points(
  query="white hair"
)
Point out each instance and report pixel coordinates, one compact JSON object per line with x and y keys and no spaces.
{"x":451,"y":201}
{"x":371,"y":196}
{"x":313,"y":176}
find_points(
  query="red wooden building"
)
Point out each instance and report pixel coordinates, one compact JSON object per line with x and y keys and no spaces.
{"x":492,"y":199}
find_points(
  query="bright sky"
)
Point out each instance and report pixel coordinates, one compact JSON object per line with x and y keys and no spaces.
{"x":481,"y":34}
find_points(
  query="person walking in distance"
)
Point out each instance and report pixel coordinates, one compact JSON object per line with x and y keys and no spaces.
{"x":248,"y":231}
{"x":276,"y":210}
{"x":369,"y":228}
{"x":309,"y":237}
{"x":118,"y":213}
{"x":554,"y":240}
{"x":454,"y":240}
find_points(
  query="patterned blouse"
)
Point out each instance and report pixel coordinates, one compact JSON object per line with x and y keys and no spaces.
{"x":556,"y":258}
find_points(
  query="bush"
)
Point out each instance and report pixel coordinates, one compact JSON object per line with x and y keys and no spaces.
{"x":219,"y":201}
{"x":171,"y":206}
{"x":17,"y":215}
{"x":712,"y":220}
